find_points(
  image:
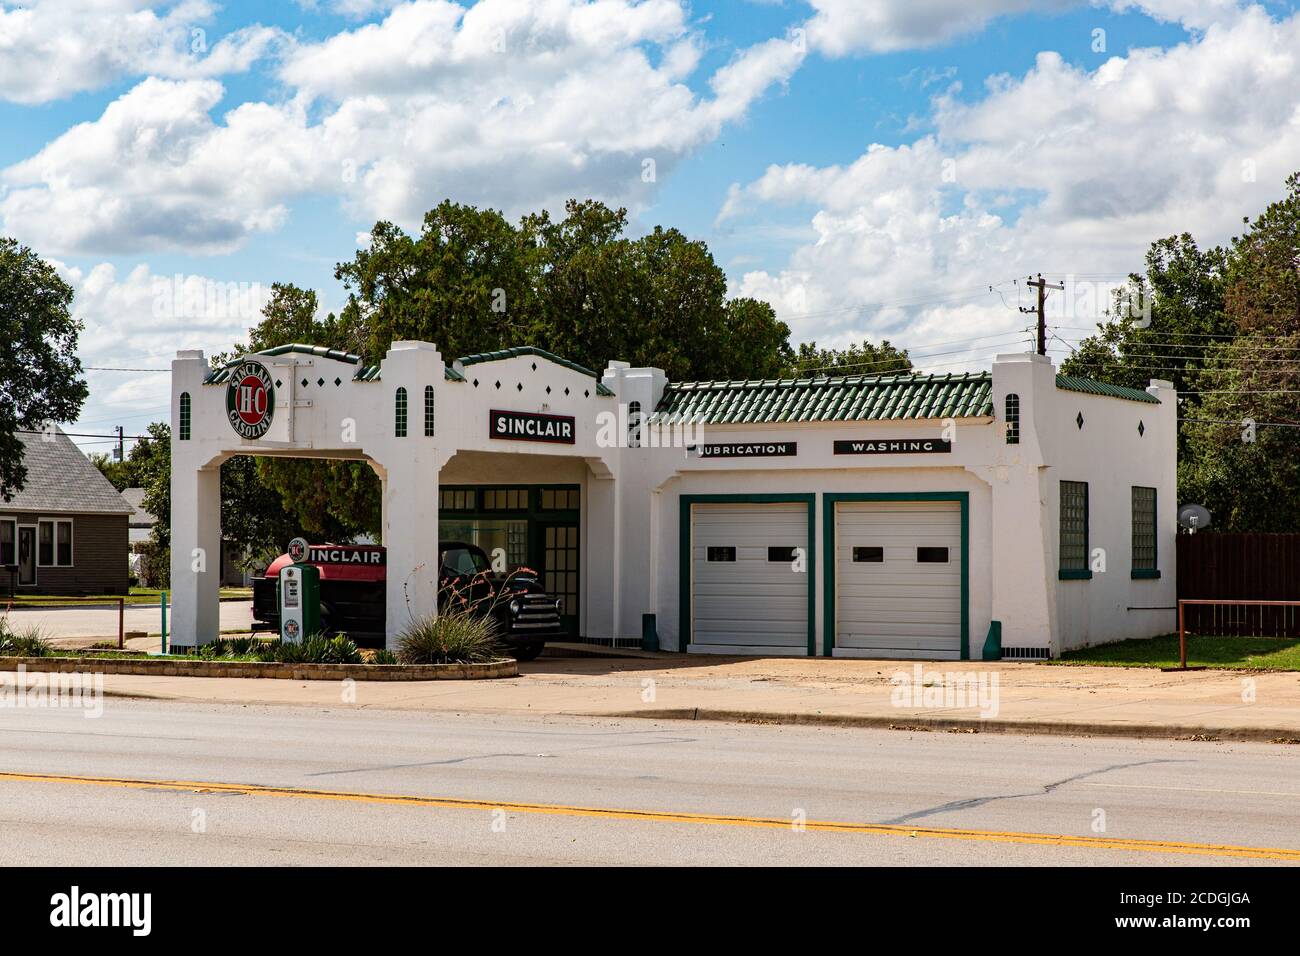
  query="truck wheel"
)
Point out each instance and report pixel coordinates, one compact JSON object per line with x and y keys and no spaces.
{"x":527,"y":652}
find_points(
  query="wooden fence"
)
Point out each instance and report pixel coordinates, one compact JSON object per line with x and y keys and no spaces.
{"x":1241,"y":567}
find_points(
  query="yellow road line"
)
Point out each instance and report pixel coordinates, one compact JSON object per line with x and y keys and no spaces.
{"x":664,"y":816}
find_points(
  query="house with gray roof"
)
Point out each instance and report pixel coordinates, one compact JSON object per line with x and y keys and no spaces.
{"x":66,"y":531}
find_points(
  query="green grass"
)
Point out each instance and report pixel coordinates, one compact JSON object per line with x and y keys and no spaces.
{"x":1230,"y":653}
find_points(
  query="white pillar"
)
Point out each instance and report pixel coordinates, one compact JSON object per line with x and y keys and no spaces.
{"x":196,"y":556}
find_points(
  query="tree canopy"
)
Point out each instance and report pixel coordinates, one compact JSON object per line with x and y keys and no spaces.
{"x":40,"y":374}
{"x":1225,"y":329}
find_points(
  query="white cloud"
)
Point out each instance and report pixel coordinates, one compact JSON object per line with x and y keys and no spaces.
{"x":839,"y":27}
{"x":156,"y":171}
{"x":138,"y":321}
{"x":1061,"y":170}
{"x":510,"y":104}
{"x":51,"y":49}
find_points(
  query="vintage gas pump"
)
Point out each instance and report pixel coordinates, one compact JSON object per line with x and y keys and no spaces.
{"x":298,"y":595}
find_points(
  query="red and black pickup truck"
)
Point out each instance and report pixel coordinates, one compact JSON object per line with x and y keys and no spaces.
{"x":353,"y":594}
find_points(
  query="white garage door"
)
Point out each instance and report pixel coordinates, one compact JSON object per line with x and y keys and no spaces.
{"x":898,"y":579}
{"x":746,"y":595}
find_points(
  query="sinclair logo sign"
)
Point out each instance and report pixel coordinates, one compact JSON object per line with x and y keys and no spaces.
{"x":250,"y":400}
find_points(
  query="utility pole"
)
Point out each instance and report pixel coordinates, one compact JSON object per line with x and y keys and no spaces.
{"x":121,"y":451}
{"x":1042,"y":286}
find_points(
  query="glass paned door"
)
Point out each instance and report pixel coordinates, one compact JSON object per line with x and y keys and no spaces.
{"x":560,"y":568}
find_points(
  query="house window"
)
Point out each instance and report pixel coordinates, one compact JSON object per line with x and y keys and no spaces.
{"x":782,"y":554}
{"x":720,"y":554}
{"x":1074,"y":529}
{"x":45,"y":544}
{"x":633,"y":424}
{"x":868,"y":555}
{"x":8,"y":542}
{"x":185,"y":417}
{"x":63,"y":543}
{"x":428,"y":411}
{"x":1013,"y":419}
{"x":932,"y":555}
{"x":1144,"y":532}
{"x":399,"y":414}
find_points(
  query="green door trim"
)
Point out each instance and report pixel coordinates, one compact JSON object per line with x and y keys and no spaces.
{"x":684,"y":576}
{"x":830,"y":499}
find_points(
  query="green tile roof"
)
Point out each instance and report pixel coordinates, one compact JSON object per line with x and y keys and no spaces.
{"x":1091,"y":386}
{"x":370,"y":373}
{"x":828,"y":399}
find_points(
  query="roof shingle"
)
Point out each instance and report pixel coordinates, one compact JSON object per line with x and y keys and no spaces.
{"x":827,"y":399}
{"x":61,"y":479}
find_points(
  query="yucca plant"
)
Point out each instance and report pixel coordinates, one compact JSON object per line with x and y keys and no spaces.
{"x":456,"y":636}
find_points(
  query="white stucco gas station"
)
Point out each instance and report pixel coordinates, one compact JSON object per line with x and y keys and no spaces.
{"x":926,"y":516}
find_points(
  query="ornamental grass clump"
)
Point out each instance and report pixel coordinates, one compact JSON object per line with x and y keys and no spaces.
{"x":453,"y":637}
{"x":28,"y":642}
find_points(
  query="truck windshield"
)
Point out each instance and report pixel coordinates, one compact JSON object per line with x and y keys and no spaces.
{"x":464,"y":561}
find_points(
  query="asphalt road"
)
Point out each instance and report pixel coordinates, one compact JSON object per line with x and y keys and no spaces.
{"x":511,"y":790}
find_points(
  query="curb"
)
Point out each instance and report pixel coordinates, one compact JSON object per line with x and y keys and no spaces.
{"x":173,"y":668}
{"x":1286,"y":735}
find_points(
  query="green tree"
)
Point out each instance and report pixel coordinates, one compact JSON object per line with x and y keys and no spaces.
{"x":866,"y":359}
{"x":40,"y":374}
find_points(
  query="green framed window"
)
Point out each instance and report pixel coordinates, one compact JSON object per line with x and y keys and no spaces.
{"x":1144,"y":533}
{"x":184,"y":429}
{"x":633,"y":424}
{"x":399,"y":414}
{"x":505,"y":499}
{"x":457,"y":499}
{"x":1074,"y":530}
{"x":428,"y":411}
{"x":560,"y":499}
{"x":1013,"y":418}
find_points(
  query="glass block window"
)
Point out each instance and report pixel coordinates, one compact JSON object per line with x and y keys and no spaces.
{"x":456,"y":499}
{"x":559,"y":499}
{"x":428,"y":411}
{"x":720,"y":553}
{"x":1144,"y":529}
{"x":185,"y":417}
{"x":1074,"y":526}
{"x":1013,"y":419}
{"x":505,"y":499}
{"x":399,"y":414}
{"x":633,"y":424}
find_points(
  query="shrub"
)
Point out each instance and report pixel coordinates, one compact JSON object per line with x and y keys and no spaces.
{"x":314,"y":649}
{"x":26,"y":643}
{"x":453,"y":637}
{"x":382,"y":656}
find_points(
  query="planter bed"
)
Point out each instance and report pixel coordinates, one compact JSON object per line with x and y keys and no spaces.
{"x":172,"y":667}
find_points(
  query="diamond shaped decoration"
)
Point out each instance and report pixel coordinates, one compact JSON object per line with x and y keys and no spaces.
{"x":498,"y":384}
{"x":1078,"y":419}
{"x":476,"y":383}
{"x":338,"y":382}
{"x":1142,"y":429}
{"x":320,"y":382}
{"x":520,"y":386}
{"x":548,"y":390}
{"x":534,"y":366}
{"x":586,"y":393}
{"x":304,"y":382}
{"x":566,"y":390}
{"x":279,"y":384}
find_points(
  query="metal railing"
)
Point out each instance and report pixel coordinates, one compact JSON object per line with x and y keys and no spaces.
{"x":1221,"y":602}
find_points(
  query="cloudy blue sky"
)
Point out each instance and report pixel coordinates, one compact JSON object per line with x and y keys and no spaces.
{"x":870,"y":167}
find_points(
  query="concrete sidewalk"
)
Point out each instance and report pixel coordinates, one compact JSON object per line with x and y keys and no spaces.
{"x":1030,"y":698}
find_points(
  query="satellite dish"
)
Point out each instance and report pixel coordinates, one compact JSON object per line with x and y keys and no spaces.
{"x":1194,"y":517}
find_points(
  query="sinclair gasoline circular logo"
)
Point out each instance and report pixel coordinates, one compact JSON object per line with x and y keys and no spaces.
{"x":250,"y":400}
